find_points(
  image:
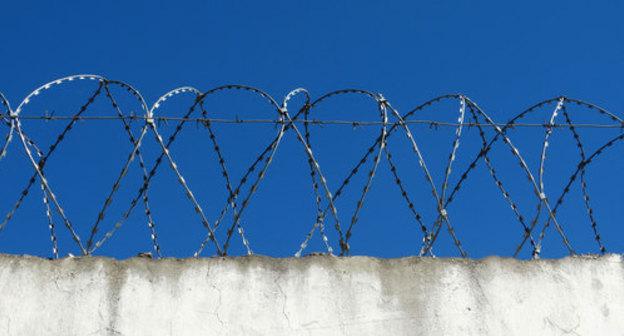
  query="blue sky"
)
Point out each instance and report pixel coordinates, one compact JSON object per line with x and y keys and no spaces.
{"x":503,"y":56}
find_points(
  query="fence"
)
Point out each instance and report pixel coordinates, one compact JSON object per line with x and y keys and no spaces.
{"x":300,"y":122}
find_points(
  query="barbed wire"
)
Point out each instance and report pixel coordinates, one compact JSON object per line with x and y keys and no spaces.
{"x":242,"y":190}
{"x":359,"y":123}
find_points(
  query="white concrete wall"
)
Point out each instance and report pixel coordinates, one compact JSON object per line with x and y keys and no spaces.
{"x":311,"y":296}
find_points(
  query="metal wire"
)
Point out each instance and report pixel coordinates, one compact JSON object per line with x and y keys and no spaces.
{"x":359,"y":123}
{"x":241,"y":190}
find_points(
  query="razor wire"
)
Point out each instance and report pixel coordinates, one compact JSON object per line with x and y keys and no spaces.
{"x":242,"y":190}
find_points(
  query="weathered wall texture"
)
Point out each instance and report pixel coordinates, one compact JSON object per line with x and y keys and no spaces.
{"x":311,"y":296}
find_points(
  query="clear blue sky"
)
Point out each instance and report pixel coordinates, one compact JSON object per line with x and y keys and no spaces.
{"x":504,"y":56}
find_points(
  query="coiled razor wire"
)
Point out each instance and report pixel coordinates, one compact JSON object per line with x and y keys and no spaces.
{"x":241,"y":190}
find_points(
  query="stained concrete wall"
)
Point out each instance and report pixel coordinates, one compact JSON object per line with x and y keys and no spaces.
{"x":317,"y":295}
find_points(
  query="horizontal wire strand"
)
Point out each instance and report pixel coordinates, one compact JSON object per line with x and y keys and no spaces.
{"x":358,"y":123}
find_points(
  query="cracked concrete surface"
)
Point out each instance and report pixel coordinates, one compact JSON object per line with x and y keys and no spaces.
{"x":316,"y":295}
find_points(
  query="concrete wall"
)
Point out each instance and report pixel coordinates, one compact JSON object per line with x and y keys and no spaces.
{"x":317,"y":295}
